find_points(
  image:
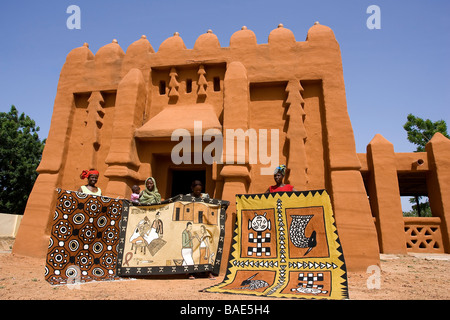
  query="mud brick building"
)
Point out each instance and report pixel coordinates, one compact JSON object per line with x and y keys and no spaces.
{"x":116,"y":111}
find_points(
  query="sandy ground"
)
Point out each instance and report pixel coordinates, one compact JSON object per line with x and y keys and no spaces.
{"x":405,"y":277}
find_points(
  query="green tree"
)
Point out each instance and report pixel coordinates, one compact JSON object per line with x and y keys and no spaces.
{"x":20,"y":154}
{"x":419,"y":209}
{"x":421,"y":131}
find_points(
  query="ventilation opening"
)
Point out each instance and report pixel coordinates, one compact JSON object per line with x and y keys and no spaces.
{"x":188,"y":85}
{"x":216,"y":84}
{"x":162,"y":87}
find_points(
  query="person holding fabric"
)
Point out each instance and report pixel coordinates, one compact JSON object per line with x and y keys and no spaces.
{"x":150,"y":194}
{"x":196,"y":190}
{"x":278,"y":176}
{"x":90,"y":187}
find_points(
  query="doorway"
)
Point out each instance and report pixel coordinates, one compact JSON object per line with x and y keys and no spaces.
{"x":182,"y":180}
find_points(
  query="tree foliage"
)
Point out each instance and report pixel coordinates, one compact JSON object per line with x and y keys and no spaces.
{"x":419,"y":209}
{"x":421,"y":131}
{"x":20,"y":154}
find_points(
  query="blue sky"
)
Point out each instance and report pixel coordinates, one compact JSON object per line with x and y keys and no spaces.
{"x":402,"y":68}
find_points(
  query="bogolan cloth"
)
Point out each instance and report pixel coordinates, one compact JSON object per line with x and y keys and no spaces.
{"x":83,"y":238}
{"x":285,"y":245}
{"x":194,"y":232}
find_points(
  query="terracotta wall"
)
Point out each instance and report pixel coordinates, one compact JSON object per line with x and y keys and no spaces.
{"x":389,"y":175}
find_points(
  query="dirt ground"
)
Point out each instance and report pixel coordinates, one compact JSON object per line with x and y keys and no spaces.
{"x":402,"y":277}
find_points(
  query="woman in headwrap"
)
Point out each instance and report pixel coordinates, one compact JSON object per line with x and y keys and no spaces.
{"x":150,"y":194}
{"x":90,"y":187}
{"x":278,"y":176}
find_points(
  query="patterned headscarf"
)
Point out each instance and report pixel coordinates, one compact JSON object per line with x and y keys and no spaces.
{"x":86,"y":173}
{"x":280,"y":169}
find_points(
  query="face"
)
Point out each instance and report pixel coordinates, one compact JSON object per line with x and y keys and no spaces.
{"x":92,"y":179}
{"x":197,"y":191}
{"x":149,"y":184}
{"x":278,"y":177}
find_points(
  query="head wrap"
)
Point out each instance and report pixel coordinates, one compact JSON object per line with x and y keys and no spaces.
{"x":150,"y":196}
{"x":87,"y":173}
{"x":280,"y":169}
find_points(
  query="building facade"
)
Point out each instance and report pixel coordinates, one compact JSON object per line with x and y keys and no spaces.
{"x":226,"y":116}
